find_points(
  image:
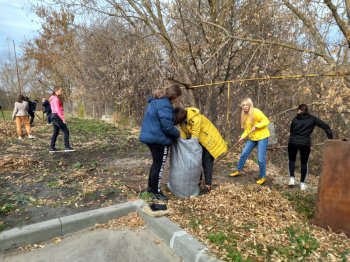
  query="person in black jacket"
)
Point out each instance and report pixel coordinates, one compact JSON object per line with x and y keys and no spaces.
{"x":47,"y":109}
{"x":300,"y":140}
{"x":31,"y":110}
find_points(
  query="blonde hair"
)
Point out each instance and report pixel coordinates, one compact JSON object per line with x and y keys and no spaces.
{"x":250,"y":114}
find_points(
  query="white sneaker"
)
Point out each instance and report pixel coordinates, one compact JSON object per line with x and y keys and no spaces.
{"x":303,"y":186}
{"x":291,"y":181}
{"x":31,"y":137}
{"x":20,"y":137}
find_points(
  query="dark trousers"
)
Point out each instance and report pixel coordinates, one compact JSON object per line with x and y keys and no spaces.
{"x":208,"y":166}
{"x":48,"y":115}
{"x":304,"y":158}
{"x":57,"y":126}
{"x":159,"y":156}
{"x":32,"y":115}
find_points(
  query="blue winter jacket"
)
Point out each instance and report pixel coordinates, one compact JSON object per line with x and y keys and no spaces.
{"x":158,"y":123}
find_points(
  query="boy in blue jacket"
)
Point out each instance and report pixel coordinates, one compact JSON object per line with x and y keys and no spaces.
{"x":158,"y":132}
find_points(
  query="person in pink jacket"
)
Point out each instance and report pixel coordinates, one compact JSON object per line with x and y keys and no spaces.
{"x":58,"y":121}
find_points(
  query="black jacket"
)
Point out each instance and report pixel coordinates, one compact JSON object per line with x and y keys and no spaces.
{"x":46,"y":106}
{"x":303,"y":125}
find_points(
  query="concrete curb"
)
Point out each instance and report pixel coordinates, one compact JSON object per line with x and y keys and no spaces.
{"x":49,"y":229}
{"x":180,"y":241}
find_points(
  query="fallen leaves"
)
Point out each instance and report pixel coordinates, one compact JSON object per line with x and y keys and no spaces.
{"x":131,"y":220}
{"x":255,"y":218}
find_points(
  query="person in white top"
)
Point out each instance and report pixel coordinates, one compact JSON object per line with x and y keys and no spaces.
{"x":20,"y":114}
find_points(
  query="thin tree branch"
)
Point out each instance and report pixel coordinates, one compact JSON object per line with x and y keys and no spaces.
{"x":268,"y":42}
{"x":313,"y":30}
{"x":342,"y":25}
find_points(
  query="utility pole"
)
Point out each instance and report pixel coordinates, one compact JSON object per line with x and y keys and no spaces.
{"x":19,"y":84}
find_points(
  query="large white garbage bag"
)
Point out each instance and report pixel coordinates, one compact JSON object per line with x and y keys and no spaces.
{"x":185,"y":167}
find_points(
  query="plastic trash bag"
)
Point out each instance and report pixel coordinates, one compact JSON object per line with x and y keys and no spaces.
{"x":185,"y":167}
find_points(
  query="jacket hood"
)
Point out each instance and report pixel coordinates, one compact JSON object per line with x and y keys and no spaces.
{"x":192,"y":112}
{"x":151,"y":98}
{"x":303,"y":115}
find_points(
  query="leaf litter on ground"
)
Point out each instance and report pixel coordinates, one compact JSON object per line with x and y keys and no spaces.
{"x":257,"y":223}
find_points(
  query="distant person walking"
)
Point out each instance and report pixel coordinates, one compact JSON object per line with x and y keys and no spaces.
{"x":31,"y":112}
{"x":158,"y":131}
{"x":255,"y":125}
{"x":300,"y":141}
{"x":58,"y":121}
{"x":20,"y":114}
{"x":47,"y":110}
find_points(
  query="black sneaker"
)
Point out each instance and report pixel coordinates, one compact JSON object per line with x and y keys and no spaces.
{"x":69,"y":149}
{"x":52,"y":150}
{"x":157,"y":207}
{"x":205,"y":190}
{"x":160,"y":196}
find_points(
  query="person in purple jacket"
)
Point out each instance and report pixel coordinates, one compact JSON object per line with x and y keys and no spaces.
{"x":158,"y":131}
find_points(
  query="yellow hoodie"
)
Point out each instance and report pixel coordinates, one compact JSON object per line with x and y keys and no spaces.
{"x":200,"y":127}
{"x":260,"y":122}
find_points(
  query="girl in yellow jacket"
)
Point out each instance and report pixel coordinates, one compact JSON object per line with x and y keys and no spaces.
{"x":195,"y":125}
{"x":255,"y":125}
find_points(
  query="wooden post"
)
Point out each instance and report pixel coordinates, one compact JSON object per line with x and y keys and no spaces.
{"x":333,"y":198}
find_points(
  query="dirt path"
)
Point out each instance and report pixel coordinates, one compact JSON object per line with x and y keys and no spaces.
{"x":110,"y":166}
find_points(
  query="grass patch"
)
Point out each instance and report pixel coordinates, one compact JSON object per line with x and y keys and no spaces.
{"x":77,"y":165}
{"x":7,"y":208}
{"x":146,"y":196}
{"x":2,"y":227}
{"x":194,"y":223}
{"x":108,"y":192}
{"x":53,"y":184}
{"x":228,"y":242}
{"x":7,"y":115}
{"x":302,"y":244}
{"x":303,"y":203}
{"x":95,"y":127}
{"x":19,"y":199}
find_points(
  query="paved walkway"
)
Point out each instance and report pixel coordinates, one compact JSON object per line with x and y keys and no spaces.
{"x":100,"y":245}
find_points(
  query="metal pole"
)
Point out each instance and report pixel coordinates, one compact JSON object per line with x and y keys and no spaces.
{"x":19,"y":84}
{"x":228,"y":122}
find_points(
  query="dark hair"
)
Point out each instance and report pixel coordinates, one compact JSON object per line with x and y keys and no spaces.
{"x":20,"y":99}
{"x":303,"y":108}
{"x":173,"y":92}
{"x":180,"y":114}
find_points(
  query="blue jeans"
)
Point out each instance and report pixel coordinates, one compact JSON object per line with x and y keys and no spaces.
{"x":262,"y":147}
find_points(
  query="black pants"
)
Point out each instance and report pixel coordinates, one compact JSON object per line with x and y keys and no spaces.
{"x":208,"y":166}
{"x":304,"y":158}
{"x":32,"y":115}
{"x":159,"y":156}
{"x":57,"y":125}
{"x":48,"y":116}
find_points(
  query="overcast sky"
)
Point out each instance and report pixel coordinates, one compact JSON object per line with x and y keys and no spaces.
{"x":17,"y":23}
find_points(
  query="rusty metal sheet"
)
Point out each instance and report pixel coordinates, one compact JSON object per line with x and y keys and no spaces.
{"x":333,"y":199}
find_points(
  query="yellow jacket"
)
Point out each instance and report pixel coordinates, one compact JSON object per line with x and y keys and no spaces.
{"x":200,"y":127}
{"x":260,"y":122}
